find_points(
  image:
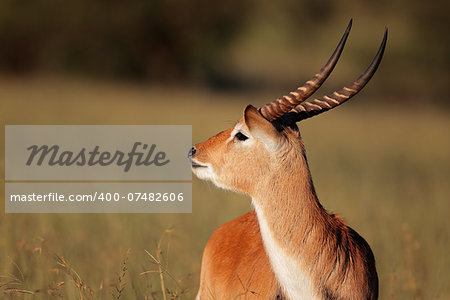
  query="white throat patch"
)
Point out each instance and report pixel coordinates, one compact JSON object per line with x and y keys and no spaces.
{"x":295,"y":283}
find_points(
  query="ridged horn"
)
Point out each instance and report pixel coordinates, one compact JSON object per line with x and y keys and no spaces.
{"x":281,"y":106}
{"x":311,"y":108}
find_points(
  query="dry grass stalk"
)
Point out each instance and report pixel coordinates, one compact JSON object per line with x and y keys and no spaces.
{"x":121,"y":283}
{"x":84,"y":290}
{"x":163,"y":266}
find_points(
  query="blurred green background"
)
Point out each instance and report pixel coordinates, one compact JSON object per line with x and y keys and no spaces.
{"x":381,"y":161}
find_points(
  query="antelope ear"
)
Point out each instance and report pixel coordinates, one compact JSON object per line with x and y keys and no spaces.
{"x":260,"y":128}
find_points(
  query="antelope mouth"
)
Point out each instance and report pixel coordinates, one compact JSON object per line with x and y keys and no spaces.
{"x":195,"y":165}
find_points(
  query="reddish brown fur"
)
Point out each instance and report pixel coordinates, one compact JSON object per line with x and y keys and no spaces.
{"x":246,"y":275}
{"x":337,"y":261}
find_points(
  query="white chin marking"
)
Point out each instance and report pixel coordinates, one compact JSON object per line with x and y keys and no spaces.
{"x":207,"y":173}
{"x":204,"y":173}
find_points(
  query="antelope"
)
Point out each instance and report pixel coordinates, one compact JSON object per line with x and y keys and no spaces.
{"x":288,"y":246}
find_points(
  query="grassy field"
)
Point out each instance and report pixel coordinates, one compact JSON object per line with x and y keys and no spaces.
{"x":383,"y":168}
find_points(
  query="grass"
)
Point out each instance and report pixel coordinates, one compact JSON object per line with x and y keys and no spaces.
{"x":383,"y":168}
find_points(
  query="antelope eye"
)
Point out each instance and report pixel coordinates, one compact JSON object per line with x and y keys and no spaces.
{"x":240,"y":136}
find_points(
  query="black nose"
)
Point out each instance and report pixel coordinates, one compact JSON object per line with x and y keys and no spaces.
{"x":192,"y":152}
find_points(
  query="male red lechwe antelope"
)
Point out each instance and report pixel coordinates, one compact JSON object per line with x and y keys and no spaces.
{"x":288,"y":247}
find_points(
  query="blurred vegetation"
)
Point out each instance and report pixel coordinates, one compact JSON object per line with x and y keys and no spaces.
{"x":230,"y":44}
{"x":385,"y":174}
{"x":384,"y":168}
{"x":158,"y":40}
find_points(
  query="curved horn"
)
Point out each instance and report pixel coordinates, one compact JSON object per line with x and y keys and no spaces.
{"x":279,"y":107}
{"x":309,"y":109}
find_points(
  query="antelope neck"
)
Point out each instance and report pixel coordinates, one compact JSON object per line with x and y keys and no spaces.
{"x":292,"y":224}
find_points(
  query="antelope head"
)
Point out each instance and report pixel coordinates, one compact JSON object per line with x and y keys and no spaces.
{"x":266,"y":143}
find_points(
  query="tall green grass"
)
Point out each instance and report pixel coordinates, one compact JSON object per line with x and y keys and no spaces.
{"x":385,"y":170}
